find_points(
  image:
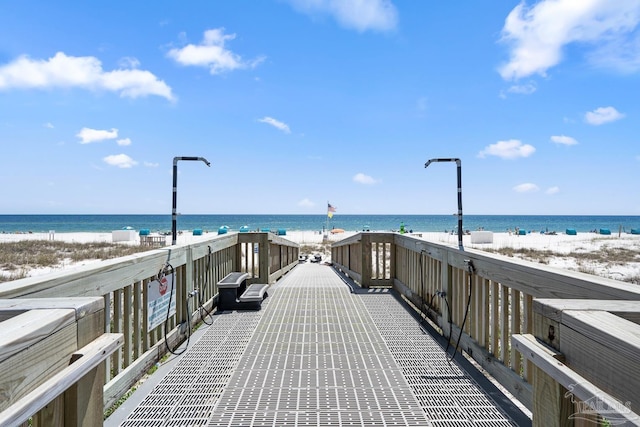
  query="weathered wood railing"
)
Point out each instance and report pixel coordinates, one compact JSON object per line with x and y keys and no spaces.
{"x":122,"y":285}
{"x":443,"y":282}
{"x":52,"y":354}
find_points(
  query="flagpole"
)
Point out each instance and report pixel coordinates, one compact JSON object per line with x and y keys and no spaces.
{"x":327,"y":227}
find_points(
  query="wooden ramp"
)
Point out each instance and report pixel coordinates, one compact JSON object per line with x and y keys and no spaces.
{"x":319,"y":355}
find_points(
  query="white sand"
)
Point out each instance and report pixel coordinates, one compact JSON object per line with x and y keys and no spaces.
{"x":558,"y":244}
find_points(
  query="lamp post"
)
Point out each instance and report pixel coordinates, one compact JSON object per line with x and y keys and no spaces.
{"x":174,"y":211}
{"x":459,"y":163}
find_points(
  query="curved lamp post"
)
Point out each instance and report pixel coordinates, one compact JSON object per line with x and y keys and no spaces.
{"x":459,"y":163}
{"x":174,"y":212}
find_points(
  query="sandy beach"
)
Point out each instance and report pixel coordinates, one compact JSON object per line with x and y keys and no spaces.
{"x":565,"y":251}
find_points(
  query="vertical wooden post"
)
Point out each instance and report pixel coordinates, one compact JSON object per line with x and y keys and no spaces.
{"x":127,"y":326}
{"x":515,"y":361}
{"x":84,"y":404}
{"x":551,"y":407}
{"x":446,"y":287}
{"x":505,"y":335}
{"x":237,"y":261}
{"x":189,"y":276}
{"x":264,"y":254}
{"x":107,"y":328}
{"x":116,"y":365}
{"x":366,"y":261}
{"x":146,"y":336}
{"x":137,"y":320}
{"x":495,"y":318}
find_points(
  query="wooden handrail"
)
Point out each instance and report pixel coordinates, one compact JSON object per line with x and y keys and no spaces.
{"x":579,"y":389}
{"x":85,"y":359}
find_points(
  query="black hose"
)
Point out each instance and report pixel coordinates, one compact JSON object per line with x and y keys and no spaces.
{"x":174,"y":350}
{"x":201,"y":306}
{"x":430,"y":305}
{"x":466,"y":313}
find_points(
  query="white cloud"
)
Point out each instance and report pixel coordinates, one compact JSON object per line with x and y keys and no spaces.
{"x":151,"y":165}
{"x":537,"y":34}
{"x":602,"y":115}
{"x":526,"y":89}
{"x":120,"y":160}
{"x":48,"y":125}
{"x":361,"y":15}
{"x":553,"y":190}
{"x":129,"y":62}
{"x":564,"y":140}
{"x":511,"y":149}
{"x":124,"y":141}
{"x":88,"y":135}
{"x":306,"y":203}
{"x":526,"y":188}
{"x":80,"y":71}
{"x":211,"y":53}
{"x":276,"y":124}
{"x":364,"y":179}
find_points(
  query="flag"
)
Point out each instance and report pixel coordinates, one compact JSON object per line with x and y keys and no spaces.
{"x":330,"y":210}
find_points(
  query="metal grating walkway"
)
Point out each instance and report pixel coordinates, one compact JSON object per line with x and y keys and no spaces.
{"x":317,"y":355}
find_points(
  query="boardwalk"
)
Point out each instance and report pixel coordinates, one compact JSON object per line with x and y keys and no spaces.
{"x":318,"y":354}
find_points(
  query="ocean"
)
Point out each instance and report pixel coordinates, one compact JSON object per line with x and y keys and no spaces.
{"x":416,"y":223}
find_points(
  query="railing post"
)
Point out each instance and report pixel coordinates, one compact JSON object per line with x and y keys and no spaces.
{"x":237,"y":262}
{"x":445,"y":280}
{"x":551,"y":407}
{"x":82,"y":404}
{"x":264,"y":255}
{"x":189,"y":275}
{"x":365,"y":277}
{"x":392,"y":260}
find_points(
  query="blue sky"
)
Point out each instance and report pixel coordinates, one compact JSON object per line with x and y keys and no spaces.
{"x":297,"y":103}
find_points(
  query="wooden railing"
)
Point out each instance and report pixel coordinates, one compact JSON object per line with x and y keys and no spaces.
{"x":52,"y":354}
{"x":122,"y":284}
{"x":499,"y":293}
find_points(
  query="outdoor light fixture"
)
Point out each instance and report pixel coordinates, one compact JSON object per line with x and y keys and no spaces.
{"x":174,"y":211}
{"x":459,"y":163}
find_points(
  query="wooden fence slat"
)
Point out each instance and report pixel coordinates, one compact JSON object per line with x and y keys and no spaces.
{"x":128,"y":329}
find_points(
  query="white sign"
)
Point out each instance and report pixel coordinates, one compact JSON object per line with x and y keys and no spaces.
{"x":158,"y":293}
